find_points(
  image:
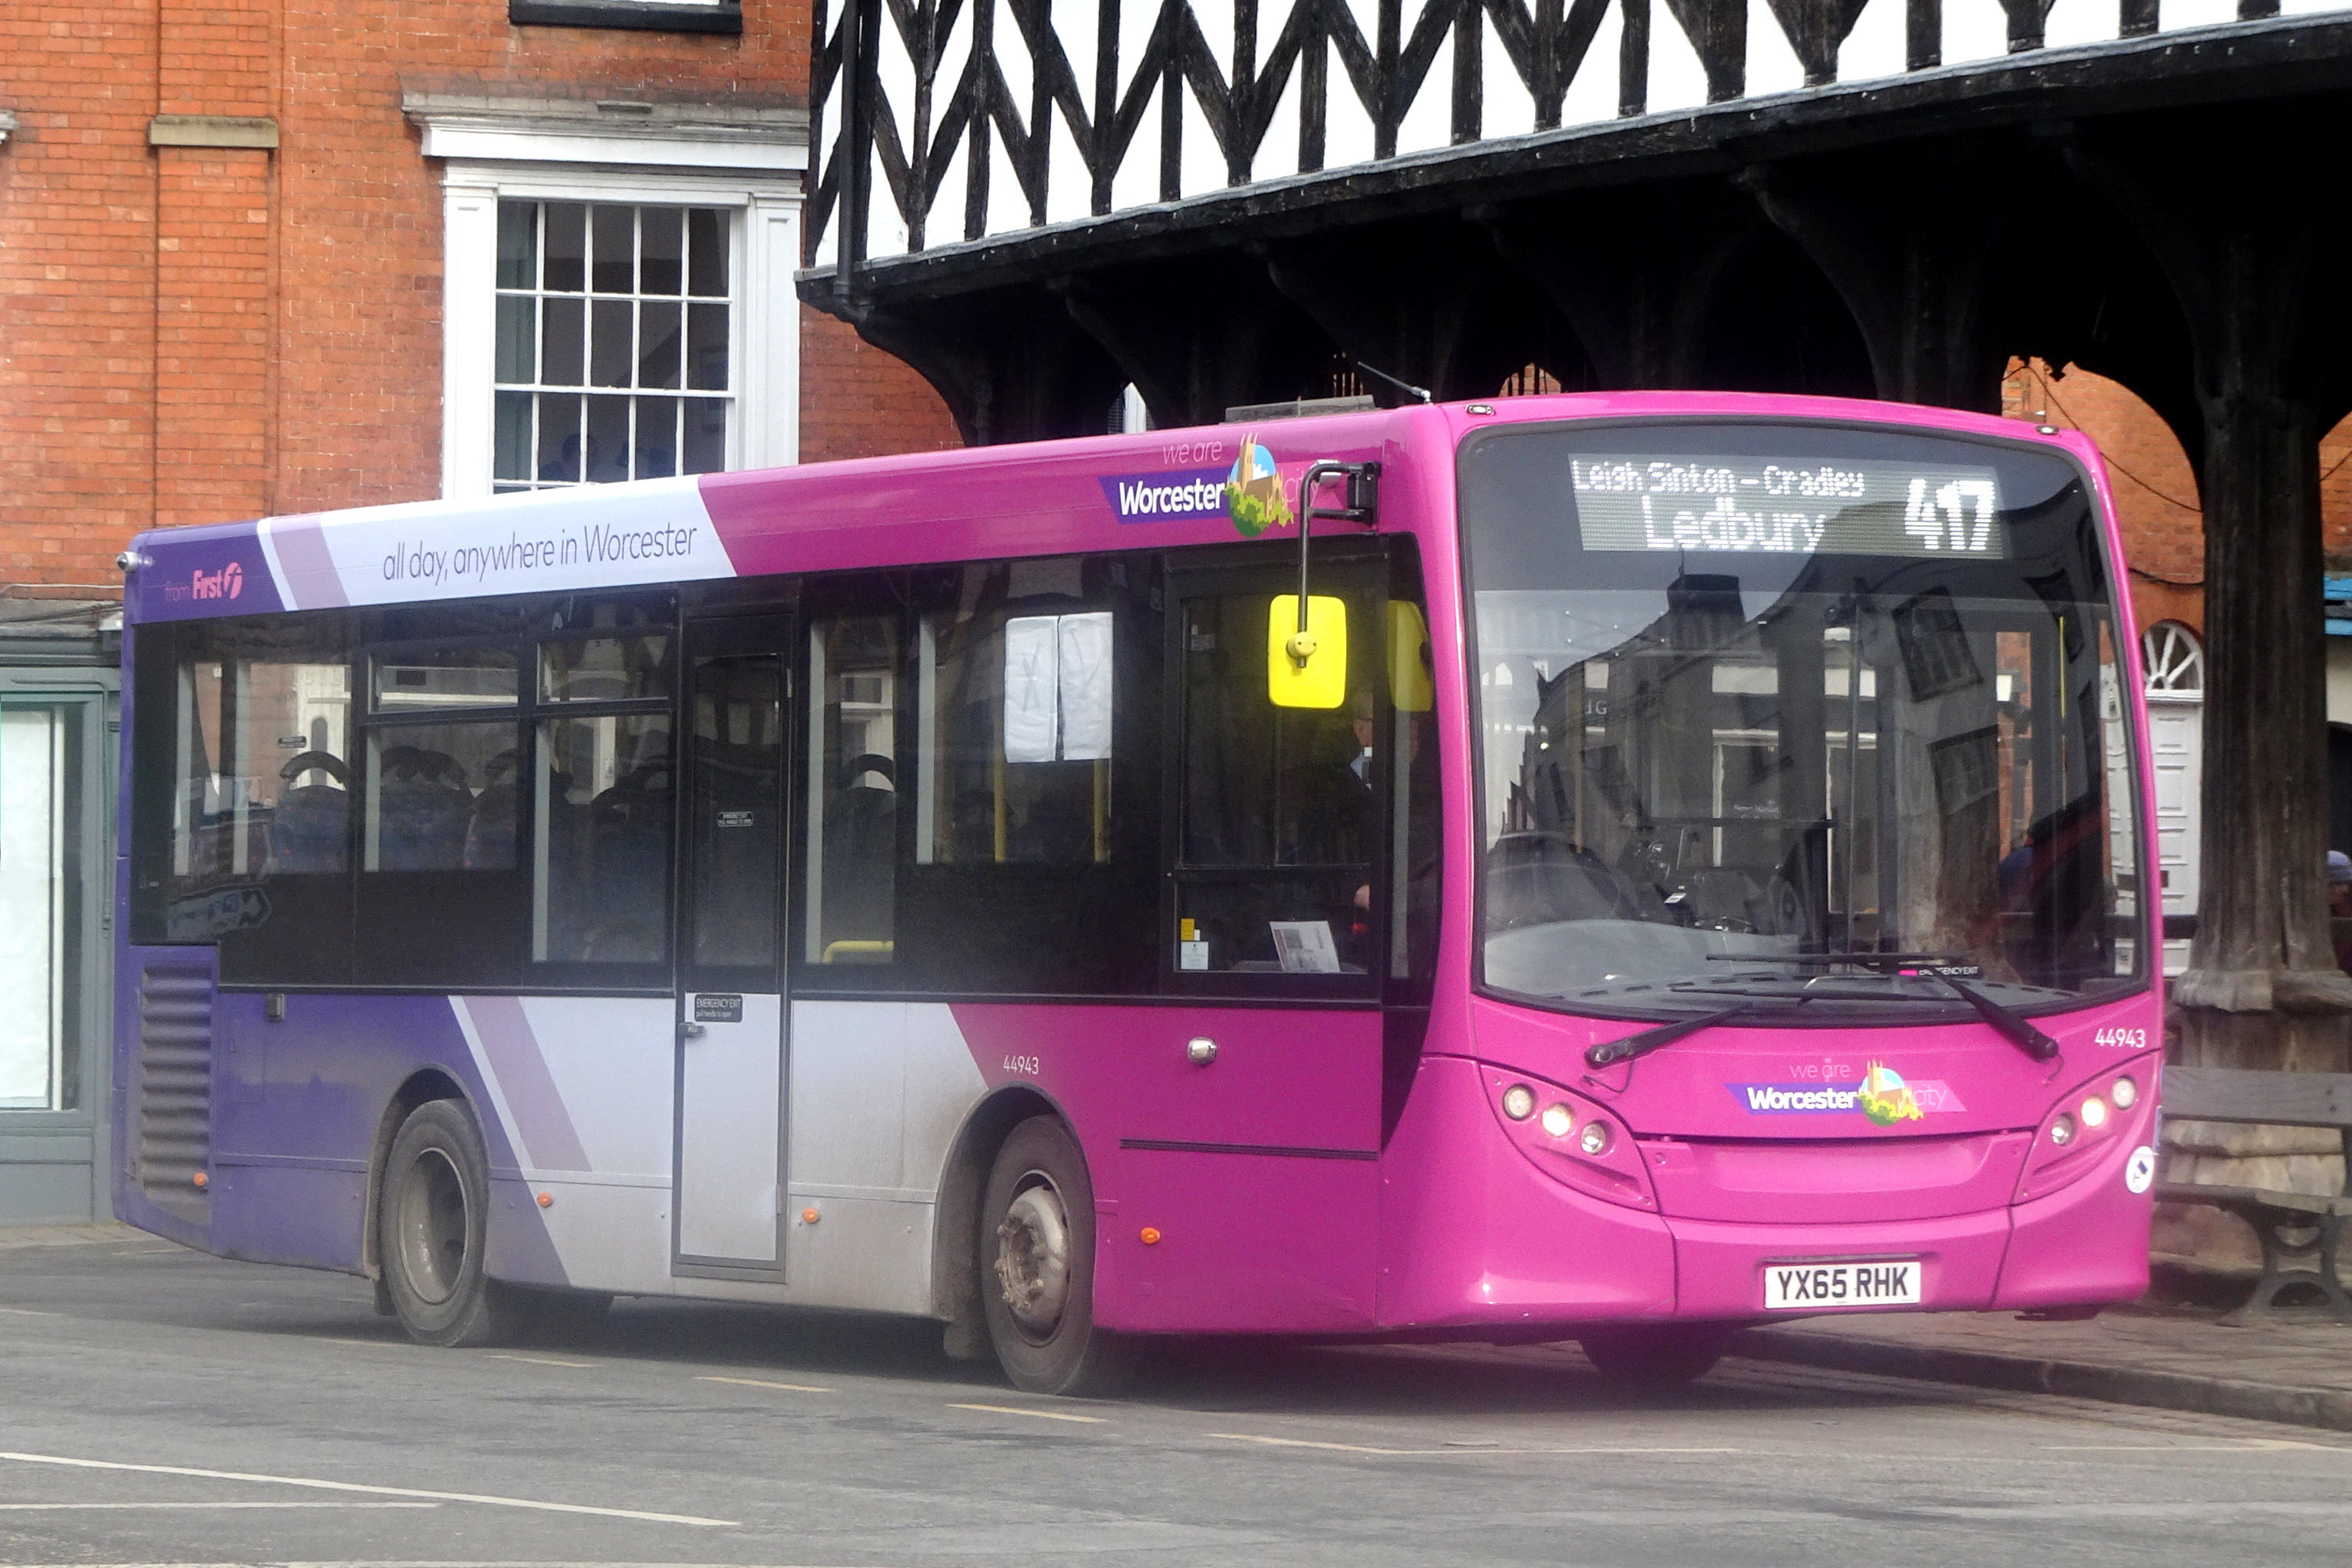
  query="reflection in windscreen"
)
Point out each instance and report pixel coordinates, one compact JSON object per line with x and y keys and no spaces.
{"x":1716,"y":758}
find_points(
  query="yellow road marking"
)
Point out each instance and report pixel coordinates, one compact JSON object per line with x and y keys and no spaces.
{"x":763,"y":1382}
{"x":1017,"y":1410}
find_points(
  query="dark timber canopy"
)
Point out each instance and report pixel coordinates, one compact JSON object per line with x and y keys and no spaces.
{"x":1039,"y":203}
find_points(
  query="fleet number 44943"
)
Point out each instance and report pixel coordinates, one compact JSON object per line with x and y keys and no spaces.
{"x":2129,"y":1040}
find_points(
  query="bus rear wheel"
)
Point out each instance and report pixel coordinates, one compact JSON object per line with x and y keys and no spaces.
{"x":1655,"y":1355}
{"x":1036,"y":1268}
{"x":432,"y":1226}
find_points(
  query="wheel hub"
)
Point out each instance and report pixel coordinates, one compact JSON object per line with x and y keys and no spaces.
{"x":1032,"y":1259}
{"x":432,"y":1239}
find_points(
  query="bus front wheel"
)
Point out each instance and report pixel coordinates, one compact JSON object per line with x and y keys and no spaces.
{"x":1036,"y":1268}
{"x":1655,"y":1355}
{"x":432,"y":1224}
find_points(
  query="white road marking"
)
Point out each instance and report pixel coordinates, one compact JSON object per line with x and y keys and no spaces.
{"x":487,"y":1499}
{"x":366,"y":1344}
{"x":763,"y":1382}
{"x":26,"y":1312}
{"x":2245,"y":1445}
{"x":108,"y":1507}
{"x":537,"y":1360}
{"x":1302,"y":1443}
{"x":1017,"y":1410}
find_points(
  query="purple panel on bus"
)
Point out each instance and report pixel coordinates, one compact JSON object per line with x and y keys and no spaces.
{"x":192,"y":573}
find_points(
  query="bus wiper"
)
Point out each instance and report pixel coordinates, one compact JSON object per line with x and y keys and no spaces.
{"x":1953,"y":970}
{"x":1612,"y":1051}
{"x":2016,"y":1025}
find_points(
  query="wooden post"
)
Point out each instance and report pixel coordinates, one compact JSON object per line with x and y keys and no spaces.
{"x":2242,"y":255}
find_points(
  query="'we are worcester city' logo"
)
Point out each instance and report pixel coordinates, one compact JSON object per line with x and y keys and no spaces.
{"x":1883,"y":1096}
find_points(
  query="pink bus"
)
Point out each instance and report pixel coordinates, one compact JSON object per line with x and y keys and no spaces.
{"x":1615,"y":867}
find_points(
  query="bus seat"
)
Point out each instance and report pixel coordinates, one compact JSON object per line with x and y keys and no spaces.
{"x":490,"y":831}
{"x":309,"y":832}
{"x":424,"y":810}
{"x":861,"y":853}
{"x":628,"y":846}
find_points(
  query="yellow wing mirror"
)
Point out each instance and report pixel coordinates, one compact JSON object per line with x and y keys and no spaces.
{"x":1306,"y":669}
{"x":1408,"y":663}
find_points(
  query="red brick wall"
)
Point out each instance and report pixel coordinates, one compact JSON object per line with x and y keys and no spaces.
{"x":2156,"y":491}
{"x":195,"y":334}
{"x":76,"y":279}
{"x":857,"y":401}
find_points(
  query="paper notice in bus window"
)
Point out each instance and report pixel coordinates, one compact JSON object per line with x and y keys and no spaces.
{"x":1032,"y":681}
{"x":1084,"y":659}
{"x":1306,"y":947}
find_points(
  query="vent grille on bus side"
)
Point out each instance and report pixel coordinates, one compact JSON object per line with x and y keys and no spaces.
{"x":175,"y":1087}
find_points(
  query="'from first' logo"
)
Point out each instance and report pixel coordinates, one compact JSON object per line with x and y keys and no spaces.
{"x":226,"y":583}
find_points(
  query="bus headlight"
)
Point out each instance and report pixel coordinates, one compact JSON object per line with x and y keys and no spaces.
{"x":1518,"y":1102}
{"x":1557,"y":1120}
{"x":1595,"y":1140}
{"x":2094,"y":1113}
{"x":2123,"y":1091}
{"x":2062,"y":1131}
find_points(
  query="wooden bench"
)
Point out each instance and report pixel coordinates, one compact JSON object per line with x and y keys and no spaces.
{"x":2300,"y":1232}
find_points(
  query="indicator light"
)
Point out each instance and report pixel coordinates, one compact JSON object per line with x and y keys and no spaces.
{"x":810,"y":1216}
{"x":1149,"y":1236}
{"x":1518,"y":1102}
{"x":2062,"y":1131}
{"x":2124,"y":1093}
{"x":2094,"y":1113}
{"x":1596,"y":1138}
{"x":201,"y":1179}
{"x":547,"y":1200}
{"x":1557,"y":1120}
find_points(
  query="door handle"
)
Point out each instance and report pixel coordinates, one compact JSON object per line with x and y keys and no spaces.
{"x":691,"y":1031}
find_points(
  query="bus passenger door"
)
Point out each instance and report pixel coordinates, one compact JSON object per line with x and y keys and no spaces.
{"x":731,"y":1021}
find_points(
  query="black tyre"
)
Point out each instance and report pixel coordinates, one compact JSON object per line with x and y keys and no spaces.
{"x":1038,"y":1268}
{"x":431,"y":1223}
{"x":1655,"y":1355}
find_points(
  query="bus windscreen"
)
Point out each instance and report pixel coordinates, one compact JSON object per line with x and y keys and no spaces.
{"x":1806,"y":715}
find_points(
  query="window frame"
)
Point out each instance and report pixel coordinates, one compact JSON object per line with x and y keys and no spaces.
{"x":592,"y":162}
{"x":360,"y":639}
{"x":1360,"y":568}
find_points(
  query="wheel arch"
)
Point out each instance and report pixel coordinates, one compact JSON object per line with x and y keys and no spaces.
{"x":424,"y":1085}
{"x":955,"y":1233}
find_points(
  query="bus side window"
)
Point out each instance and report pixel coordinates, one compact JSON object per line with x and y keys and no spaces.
{"x":852,"y":847}
{"x":249,"y":732}
{"x":1032,"y":866}
{"x":1274,"y":872}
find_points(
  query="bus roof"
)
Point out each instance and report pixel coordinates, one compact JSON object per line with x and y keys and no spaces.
{"x":1161,"y":487}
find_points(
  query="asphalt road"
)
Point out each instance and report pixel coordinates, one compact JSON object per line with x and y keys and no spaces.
{"x":161,"y":1407}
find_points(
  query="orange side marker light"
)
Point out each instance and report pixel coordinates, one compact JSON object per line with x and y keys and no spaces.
{"x":202,"y":1180}
{"x":547,"y":1200}
{"x":810,"y":1216}
{"x":1149,"y":1235}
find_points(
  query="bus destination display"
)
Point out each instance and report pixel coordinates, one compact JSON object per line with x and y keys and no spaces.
{"x":1802,"y":507}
